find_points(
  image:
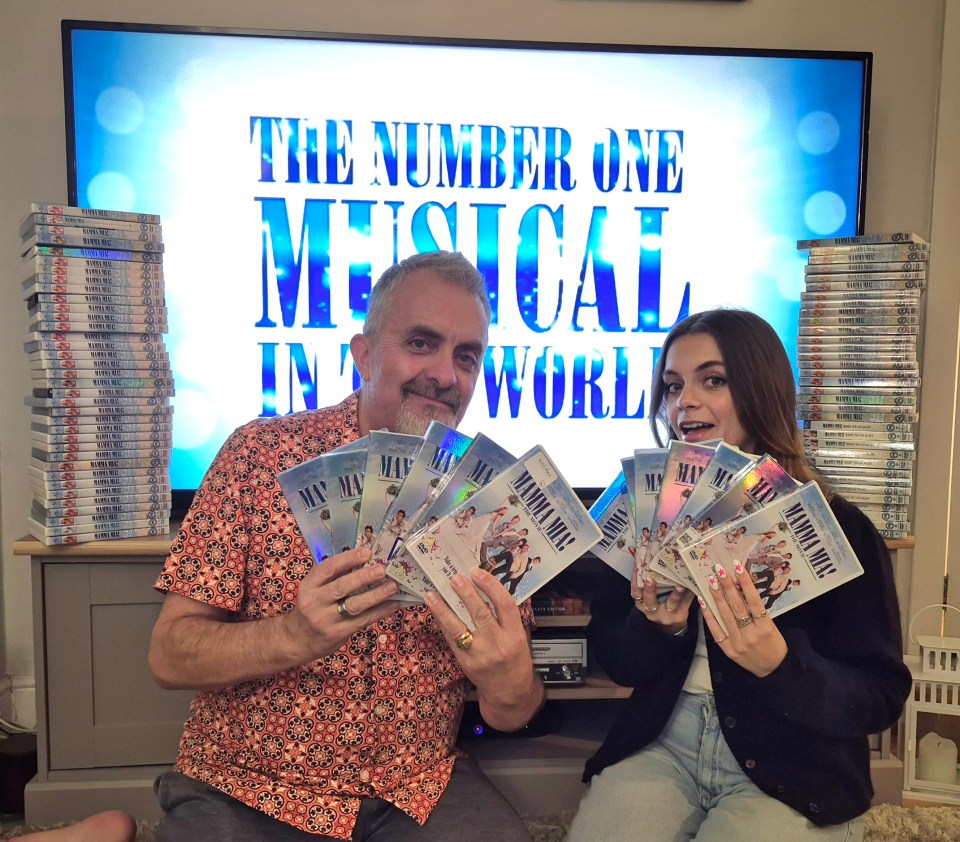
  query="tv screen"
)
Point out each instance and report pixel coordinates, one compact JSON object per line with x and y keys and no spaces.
{"x":605,"y":191}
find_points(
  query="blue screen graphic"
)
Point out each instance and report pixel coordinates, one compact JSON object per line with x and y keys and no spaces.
{"x":605,"y":194}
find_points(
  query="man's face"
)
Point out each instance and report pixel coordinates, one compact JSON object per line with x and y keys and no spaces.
{"x":424,"y":363}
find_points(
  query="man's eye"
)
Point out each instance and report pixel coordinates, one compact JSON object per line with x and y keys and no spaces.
{"x":469,"y":360}
{"x":419,"y":344}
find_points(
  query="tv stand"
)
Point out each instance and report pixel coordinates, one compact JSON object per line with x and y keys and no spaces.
{"x":105,"y":730}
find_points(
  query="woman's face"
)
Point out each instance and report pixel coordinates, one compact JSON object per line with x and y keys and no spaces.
{"x":697,"y":396}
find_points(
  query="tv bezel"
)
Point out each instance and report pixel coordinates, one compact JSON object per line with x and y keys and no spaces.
{"x":182,"y":497}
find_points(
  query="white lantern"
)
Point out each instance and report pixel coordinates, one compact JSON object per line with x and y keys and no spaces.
{"x":933,"y":718}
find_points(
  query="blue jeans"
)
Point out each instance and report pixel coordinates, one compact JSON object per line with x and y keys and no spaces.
{"x":687,"y":785}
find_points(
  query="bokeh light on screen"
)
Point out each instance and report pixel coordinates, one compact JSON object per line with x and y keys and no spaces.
{"x":119,"y":110}
{"x":818,"y":133}
{"x":111,"y":190}
{"x":825,"y":212}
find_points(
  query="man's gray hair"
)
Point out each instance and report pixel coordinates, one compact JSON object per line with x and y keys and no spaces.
{"x":453,"y":267}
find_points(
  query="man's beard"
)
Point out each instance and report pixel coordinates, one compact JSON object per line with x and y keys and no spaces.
{"x":414,"y":421}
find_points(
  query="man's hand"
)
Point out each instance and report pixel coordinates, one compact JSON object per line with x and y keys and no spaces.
{"x":497,"y":659}
{"x":198,"y":646}
{"x":338,"y":598}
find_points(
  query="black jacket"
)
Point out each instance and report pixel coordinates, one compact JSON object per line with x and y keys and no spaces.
{"x":800,"y":734}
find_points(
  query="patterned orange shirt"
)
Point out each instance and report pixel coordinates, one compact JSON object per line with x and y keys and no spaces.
{"x":377,"y":718}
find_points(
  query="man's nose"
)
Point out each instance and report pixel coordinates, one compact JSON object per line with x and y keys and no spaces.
{"x":442,"y":370}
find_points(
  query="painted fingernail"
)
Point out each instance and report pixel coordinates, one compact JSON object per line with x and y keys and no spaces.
{"x":702,"y":603}
{"x":714,"y":584}
{"x":649,"y":583}
{"x":720,"y":571}
{"x":738,"y":567}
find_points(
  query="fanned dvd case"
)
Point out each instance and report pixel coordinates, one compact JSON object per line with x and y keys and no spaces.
{"x":532,"y":496}
{"x":738,"y":508}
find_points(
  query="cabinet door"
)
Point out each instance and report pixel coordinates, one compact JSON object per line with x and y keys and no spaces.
{"x":103,"y":706}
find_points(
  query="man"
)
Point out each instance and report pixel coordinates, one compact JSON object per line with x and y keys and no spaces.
{"x":325,"y":709}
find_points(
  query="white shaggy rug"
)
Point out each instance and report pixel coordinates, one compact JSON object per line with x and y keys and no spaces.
{"x":885,"y":823}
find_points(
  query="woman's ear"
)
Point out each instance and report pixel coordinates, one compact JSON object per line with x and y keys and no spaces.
{"x":360,"y":350}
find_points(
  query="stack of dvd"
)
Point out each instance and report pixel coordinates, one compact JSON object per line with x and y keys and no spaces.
{"x":101,"y":380}
{"x":859,"y":378}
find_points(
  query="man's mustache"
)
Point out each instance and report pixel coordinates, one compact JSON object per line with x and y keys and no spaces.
{"x":426,"y":389}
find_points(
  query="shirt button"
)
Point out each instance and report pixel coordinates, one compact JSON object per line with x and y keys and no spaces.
{"x":730,"y":722}
{"x":814,"y":808}
{"x":750,"y":764}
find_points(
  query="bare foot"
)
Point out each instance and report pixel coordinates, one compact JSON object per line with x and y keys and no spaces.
{"x":110,"y":826}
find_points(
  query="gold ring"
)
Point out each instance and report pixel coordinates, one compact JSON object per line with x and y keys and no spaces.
{"x":668,"y":609}
{"x":465,"y":640}
{"x":743,"y":622}
{"x":342,"y":609}
{"x":721,"y":639}
{"x":653,"y":610}
{"x":762,"y":614}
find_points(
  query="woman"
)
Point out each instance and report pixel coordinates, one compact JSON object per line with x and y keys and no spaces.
{"x":689,"y":757}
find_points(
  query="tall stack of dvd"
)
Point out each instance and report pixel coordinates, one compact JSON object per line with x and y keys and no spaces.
{"x":859,"y":378}
{"x":101,"y":380}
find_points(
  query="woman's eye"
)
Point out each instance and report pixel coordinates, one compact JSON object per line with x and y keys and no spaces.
{"x":671,"y":388}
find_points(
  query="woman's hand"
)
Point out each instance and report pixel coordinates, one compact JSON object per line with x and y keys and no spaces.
{"x":751,"y":639}
{"x":672,"y":613}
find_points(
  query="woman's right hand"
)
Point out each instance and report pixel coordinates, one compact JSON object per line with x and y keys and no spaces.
{"x":672,"y":613}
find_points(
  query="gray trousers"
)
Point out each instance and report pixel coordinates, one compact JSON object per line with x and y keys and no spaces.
{"x":470,"y":808}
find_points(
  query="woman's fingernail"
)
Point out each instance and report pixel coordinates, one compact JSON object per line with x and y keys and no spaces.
{"x":702,"y":603}
{"x":720,"y":571}
{"x":714,"y":584}
{"x":738,"y":567}
{"x":649,"y":583}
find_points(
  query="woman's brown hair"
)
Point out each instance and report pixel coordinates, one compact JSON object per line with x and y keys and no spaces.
{"x":760,"y":379}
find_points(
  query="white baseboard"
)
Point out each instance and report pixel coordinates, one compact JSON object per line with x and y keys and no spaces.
{"x":18,"y":700}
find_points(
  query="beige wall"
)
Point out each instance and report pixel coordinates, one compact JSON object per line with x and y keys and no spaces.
{"x":904,"y":35}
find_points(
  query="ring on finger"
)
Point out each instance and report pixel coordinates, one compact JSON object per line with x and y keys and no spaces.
{"x":743,"y":622}
{"x":762,"y":614}
{"x":720,"y":640}
{"x":465,"y":640}
{"x":650,"y":610}
{"x":342,"y":609}
{"x":668,"y":609}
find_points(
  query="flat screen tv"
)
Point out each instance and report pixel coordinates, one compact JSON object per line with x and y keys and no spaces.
{"x":605,"y":191}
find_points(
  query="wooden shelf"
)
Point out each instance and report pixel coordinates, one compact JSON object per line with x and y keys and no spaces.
{"x":593,"y":687}
{"x":158,"y":545}
{"x":562,"y":620}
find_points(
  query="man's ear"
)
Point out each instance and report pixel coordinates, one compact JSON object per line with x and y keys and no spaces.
{"x":360,"y":350}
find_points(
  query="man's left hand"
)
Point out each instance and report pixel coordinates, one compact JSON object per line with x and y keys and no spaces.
{"x":495,"y":656}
